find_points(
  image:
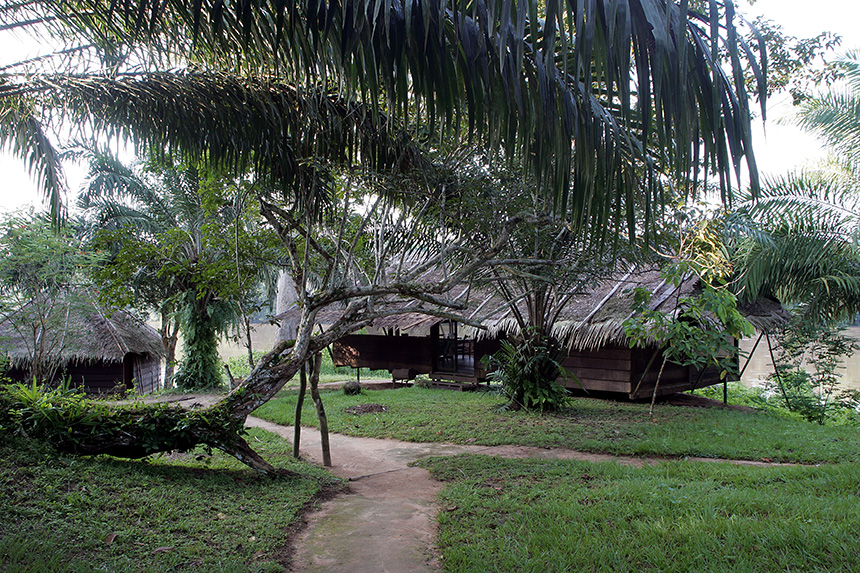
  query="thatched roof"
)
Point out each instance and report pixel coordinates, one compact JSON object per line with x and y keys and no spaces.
{"x":589,"y":320}
{"x":79,"y":330}
{"x":596,"y":318}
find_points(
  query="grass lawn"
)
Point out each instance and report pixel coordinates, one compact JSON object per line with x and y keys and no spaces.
{"x":328,"y":371}
{"x":537,"y":515}
{"x":182,"y":511}
{"x":422,"y":415}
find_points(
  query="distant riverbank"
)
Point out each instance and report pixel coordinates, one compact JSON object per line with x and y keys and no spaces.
{"x":761,"y":366}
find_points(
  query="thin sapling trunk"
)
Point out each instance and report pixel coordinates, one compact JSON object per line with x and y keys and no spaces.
{"x":315,"y":395}
{"x":300,"y":402}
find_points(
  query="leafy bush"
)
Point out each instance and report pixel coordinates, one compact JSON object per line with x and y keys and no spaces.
{"x":239,"y":366}
{"x":47,"y":413}
{"x":528,"y":372}
{"x":69,"y":421}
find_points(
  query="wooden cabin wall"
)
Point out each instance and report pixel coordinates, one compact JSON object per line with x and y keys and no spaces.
{"x":606,"y":369}
{"x":618,"y":369}
{"x":613,"y":369}
{"x":107,"y":377}
{"x":675,"y":378}
{"x":147,"y":373}
{"x":381,"y":352}
{"x":97,"y":378}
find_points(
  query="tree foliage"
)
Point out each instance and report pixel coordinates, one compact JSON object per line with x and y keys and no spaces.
{"x":188,"y":247}
{"x":798,"y":239}
{"x":701,"y":329}
{"x":44,"y":272}
{"x":806,"y":370}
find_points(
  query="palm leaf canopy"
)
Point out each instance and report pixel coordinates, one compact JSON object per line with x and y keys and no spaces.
{"x":835,"y":115}
{"x":798,"y":242}
{"x":244,"y":123}
{"x":585,"y":92}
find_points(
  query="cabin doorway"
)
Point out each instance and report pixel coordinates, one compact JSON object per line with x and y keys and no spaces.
{"x":453,"y":354}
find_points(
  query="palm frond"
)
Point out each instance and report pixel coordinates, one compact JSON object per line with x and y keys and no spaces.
{"x":242,"y":123}
{"x":835,"y":115}
{"x":23,"y":134}
{"x":586,"y":93}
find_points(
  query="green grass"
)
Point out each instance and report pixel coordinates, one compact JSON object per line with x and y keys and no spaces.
{"x":182,"y":511}
{"x":538,"y":515}
{"x":328,"y":371}
{"x":422,"y":415}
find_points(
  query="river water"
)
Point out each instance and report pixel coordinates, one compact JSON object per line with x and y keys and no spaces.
{"x":760,"y":365}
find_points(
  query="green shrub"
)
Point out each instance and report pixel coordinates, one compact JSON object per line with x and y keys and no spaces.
{"x":239,"y":367}
{"x":528,"y":372}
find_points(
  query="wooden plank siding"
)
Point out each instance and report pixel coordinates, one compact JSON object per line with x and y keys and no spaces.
{"x":606,"y":369}
{"x":147,"y":374}
{"x":108,"y":377}
{"x":613,"y":369}
{"x":382,"y":352}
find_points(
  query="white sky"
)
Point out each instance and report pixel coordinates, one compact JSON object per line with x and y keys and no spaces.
{"x":778,"y":148}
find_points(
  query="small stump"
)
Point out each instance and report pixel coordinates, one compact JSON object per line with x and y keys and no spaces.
{"x":352,"y":388}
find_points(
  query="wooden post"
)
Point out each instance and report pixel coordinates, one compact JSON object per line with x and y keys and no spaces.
{"x":300,"y":402}
{"x":656,"y":385}
{"x":315,"y":395}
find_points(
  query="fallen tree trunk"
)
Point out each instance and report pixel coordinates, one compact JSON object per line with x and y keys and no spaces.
{"x":76,"y":425}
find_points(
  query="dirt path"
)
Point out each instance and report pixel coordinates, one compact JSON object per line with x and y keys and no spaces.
{"x":386,"y":523}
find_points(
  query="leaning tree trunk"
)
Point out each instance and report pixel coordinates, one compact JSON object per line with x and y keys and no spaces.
{"x":138,"y":431}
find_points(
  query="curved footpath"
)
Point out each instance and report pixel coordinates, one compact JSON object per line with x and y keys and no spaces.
{"x":386,"y":521}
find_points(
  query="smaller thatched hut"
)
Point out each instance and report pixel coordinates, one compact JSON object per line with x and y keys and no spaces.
{"x":99,"y":351}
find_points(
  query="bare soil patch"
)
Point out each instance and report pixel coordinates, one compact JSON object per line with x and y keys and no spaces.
{"x":366,"y":409}
{"x":693,"y":401}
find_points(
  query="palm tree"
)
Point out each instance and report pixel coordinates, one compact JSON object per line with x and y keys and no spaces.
{"x":809,"y":252}
{"x":594,"y":99}
{"x":800,"y":246}
{"x":183,"y":246}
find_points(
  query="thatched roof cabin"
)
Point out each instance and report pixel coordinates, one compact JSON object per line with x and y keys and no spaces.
{"x":590,"y":324}
{"x":98,"y":350}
